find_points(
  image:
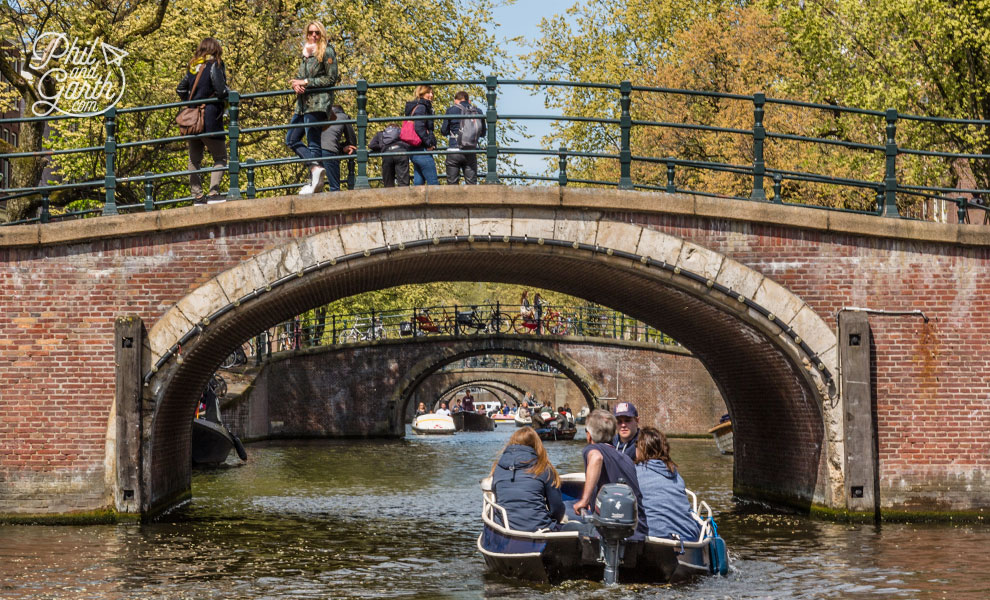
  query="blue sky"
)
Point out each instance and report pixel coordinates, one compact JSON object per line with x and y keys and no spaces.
{"x":523,"y":19}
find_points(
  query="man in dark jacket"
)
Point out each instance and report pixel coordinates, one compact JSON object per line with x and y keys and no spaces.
{"x":395,"y":169}
{"x":530,"y":501}
{"x":458,"y":162}
{"x":336,"y":140}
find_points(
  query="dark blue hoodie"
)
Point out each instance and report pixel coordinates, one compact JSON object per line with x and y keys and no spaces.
{"x":531,"y":501}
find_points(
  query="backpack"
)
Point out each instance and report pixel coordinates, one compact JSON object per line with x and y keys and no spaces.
{"x":390,"y":135}
{"x":470,"y":129}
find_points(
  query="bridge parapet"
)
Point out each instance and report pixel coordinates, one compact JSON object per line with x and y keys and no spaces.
{"x":872,"y":197}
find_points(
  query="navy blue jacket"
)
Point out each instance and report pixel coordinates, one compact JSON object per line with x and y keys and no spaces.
{"x":451,"y":127}
{"x":212,"y":84}
{"x":531,"y":501}
{"x":627,"y":448}
{"x":424,"y":129}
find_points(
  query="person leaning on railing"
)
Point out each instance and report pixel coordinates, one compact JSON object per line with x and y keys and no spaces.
{"x":424,"y":167}
{"x":206,"y":66}
{"x":318,"y":69}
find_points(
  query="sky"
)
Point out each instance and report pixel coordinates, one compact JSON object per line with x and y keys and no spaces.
{"x":523,"y":19}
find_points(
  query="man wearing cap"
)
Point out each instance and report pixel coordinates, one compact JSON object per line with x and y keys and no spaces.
{"x":628,"y":429}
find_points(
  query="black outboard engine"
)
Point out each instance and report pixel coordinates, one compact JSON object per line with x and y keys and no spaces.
{"x":615,"y":518}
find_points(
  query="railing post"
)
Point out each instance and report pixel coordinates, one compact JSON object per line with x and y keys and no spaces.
{"x":110,"y":151}
{"x":46,"y":215}
{"x":962,"y":210}
{"x":361,"y":181}
{"x":759,"y":135}
{"x":457,"y":323}
{"x":777,"y":179}
{"x":562,"y":167}
{"x":373,"y":324}
{"x":879,"y":198}
{"x":251,"y":190}
{"x":257,"y":350}
{"x":671,"y":188}
{"x":149,"y":192}
{"x":234,"y":161}
{"x":334,"y":325}
{"x":625,"y":124}
{"x":890,"y":179}
{"x":491,"y":118}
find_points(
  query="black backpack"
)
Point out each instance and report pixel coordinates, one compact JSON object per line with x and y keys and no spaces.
{"x":470,"y":129}
{"x":390,"y":135}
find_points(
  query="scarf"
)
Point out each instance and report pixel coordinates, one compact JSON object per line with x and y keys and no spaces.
{"x":194,"y":65}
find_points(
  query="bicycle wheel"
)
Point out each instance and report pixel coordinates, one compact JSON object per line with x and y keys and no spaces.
{"x":499,"y":324}
{"x":550,"y":325}
{"x":521,"y":325}
{"x":233,"y":359}
{"x":219,"y":385}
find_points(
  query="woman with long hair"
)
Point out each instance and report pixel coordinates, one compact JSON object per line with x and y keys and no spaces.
{"x":205,"y":78}
{"x":526,"y":485}
{"x":318,"y":69}
{"x":424,"y":167}
{"x":665,"y":500}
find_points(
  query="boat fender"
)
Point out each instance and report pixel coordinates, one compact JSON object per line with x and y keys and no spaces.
{"x":239,"y":447}
{"x":717,"y":554}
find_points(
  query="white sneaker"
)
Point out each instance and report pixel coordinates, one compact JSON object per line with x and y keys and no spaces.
{"x":306,"y":189}
{"x":319,"y":176}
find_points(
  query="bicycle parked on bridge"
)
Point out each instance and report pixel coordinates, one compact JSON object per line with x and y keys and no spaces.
{"x":363,"y":330}
{"x":474,"y":320}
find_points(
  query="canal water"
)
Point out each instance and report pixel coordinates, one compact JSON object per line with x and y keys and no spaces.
{"x":399,"y":519}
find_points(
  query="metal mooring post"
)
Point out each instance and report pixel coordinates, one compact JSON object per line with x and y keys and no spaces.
{"x":110,"y":151}
{"x":233,"y":164}
{"x":625,"y":124}
{"x":361,"y":181}
{"x":491,"y":118}
{"x":759,"y":134}
{"x":890,"y":178}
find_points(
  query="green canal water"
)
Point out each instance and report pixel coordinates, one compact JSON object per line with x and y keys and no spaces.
{"x":399,"y":519}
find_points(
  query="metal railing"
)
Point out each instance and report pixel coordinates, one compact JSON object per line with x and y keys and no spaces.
{"x":883,"y":193}
{"x":318,"y":330}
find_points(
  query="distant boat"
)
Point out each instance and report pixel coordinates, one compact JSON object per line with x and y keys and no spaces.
{"x":582,"y":415}
{"x":433,"y":424}
{"x":504,"y":418}
{"x":211,"y":440}
{"x":472,"y":421}
{"x":523,"y":417}
{"x":551,"y":434}
{"x":723,"y":435}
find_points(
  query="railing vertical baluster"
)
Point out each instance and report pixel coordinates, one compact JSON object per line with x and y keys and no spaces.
{"x":149,"y":192}
{"x":251,"y":190}
{"x":777,"y":179}
{"x":257,"y":350}
{"x":372,"y":324}
{"x":110,"y":151}
{"x":233,"y":161}
{"x":890,"y":178}
{"x":962,"y":210}
{"x":46,"y":215}
{"x":625,"y":124}
{"x":759,"y":135}
{"x":562,"y":167}
{"x":671,"y":188}
{"x":361,"y":181}
{"x":334,"y":325}
{"x":879,"y":199}
{"x":491,"y":118}
{"x":457,"y":323}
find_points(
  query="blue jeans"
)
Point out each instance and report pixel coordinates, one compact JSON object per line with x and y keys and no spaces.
{"x":293,"y":137}
{"x":424,"y":168}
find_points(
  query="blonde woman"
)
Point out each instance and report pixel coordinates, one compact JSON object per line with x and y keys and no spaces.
{"x":424,"y":167}
{"x":318,"y":69}
{"x":526,"y":485}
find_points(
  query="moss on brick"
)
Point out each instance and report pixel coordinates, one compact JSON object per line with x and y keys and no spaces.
{"x":103,"y":516}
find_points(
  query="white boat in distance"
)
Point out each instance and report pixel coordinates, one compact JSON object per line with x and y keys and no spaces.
{"x":433,"y":424}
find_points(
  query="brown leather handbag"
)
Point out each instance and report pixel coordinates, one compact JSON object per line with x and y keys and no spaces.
{"x":190,"y":118}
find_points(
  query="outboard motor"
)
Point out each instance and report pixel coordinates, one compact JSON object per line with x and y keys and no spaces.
{"x":615,"y":518}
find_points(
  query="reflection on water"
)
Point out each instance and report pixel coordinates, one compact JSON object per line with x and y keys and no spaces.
{"x":399,"y":519}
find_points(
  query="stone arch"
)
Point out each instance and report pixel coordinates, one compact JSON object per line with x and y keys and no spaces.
{"x":771,"y":354}
{"x":514,"y":392}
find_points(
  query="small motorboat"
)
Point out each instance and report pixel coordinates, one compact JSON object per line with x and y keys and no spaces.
{"x":433,"y":424}
{"x":504,"y":417}
{"x":472,"y":421}
{"x":211,"y":440}
{"x":523,"y":417}
{"x":552,"y":434}
{"x":601,"y":552}
{"x":723,"y":435}
{"x":582,"y":415}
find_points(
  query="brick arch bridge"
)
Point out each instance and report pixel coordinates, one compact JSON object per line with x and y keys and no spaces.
{"x":751,"y":289}
{"x":502,"y":392}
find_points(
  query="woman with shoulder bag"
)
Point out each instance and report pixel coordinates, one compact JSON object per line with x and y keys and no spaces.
{"x":424,"y":167}
{"x":204,"y":79}
{"x":317,"y":70}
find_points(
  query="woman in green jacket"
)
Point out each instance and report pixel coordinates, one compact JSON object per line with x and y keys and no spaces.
{"x":317,"y":70}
